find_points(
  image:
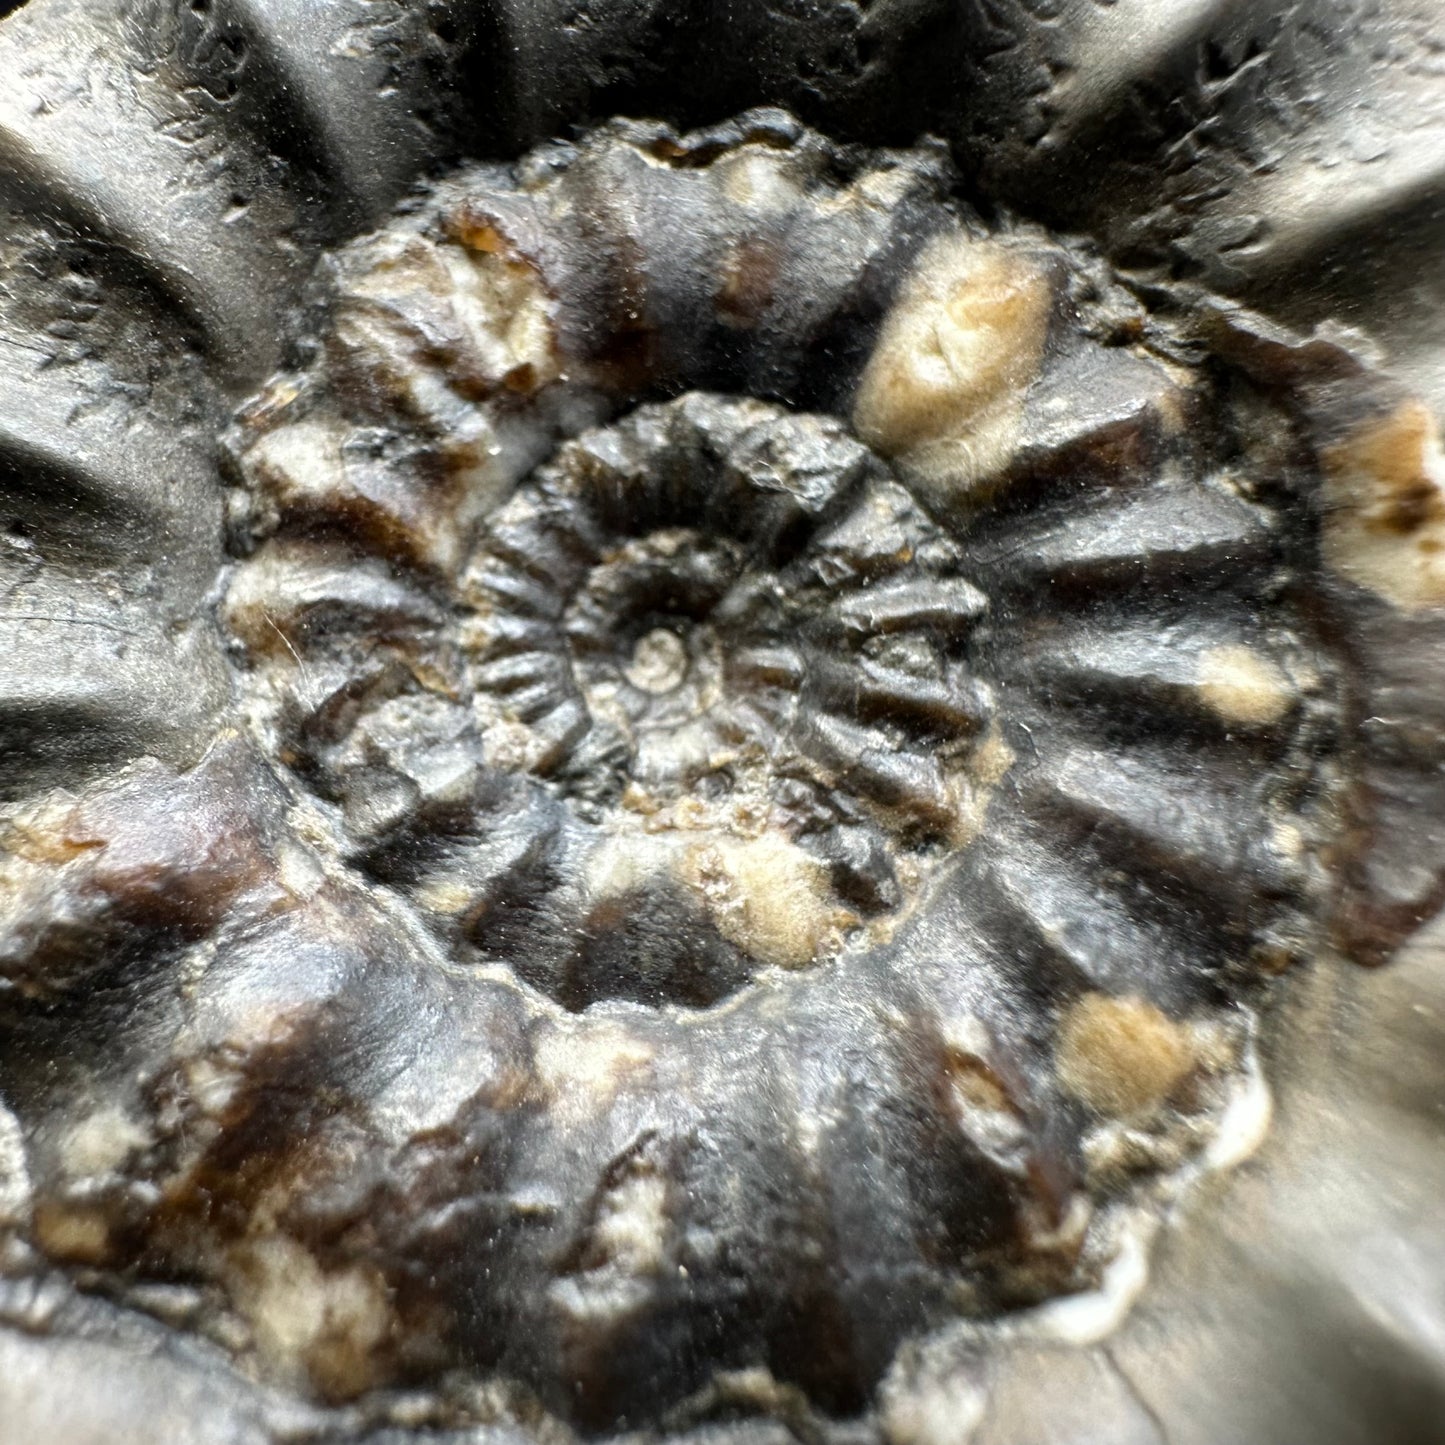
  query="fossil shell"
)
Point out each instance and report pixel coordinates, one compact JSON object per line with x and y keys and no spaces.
{"x":654,"y":784}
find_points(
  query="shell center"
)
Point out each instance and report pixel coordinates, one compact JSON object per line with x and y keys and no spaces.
{"x":658,"y":663}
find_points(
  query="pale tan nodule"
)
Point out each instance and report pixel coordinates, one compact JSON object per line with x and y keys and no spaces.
{"x":766,"y":896}
{"x":942,"y":393}
{"x":1122,"y":1056}
{"x":1384,"y":490}
{"x":1243,"y":686}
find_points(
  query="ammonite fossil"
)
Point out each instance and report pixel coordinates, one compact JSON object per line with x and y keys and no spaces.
{"x":693,"y":721}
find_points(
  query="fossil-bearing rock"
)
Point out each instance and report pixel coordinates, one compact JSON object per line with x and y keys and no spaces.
{"x":691,"y":827}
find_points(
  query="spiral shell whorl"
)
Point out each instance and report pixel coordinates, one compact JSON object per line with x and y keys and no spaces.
{"x":781,"y":708}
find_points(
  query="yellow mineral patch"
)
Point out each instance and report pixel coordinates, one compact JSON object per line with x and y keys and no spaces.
{"x":636,"y":799}
{"x":767,"y":896}
{"x":15,"y":1190}
{"x":627,"y":1245}
{"x":444,"y":896}
{"x":972,"y":1085}
{"x":658,"y":663}
{"x":299,"y":463}
{"x":1122,"y":1056}
{"x":1385,"y":507}
{"x":943,"y":391}
{"x":77,"y":1232}
{"x":506,"y":314}
{"x":974,"y":1091}
{"x":300,"y":871}
{"x":311,"y":1323}
{"x":251,"y":609}
{"x":938,"y":1411}
{"x":631,"y":1230}
{"x":46,"y":834}
{"x":426,"y":316}
{"x":478,"y":234}
{"x":984,"y":770}
{"x":753,"y":179}
{"x":102,"y":1141}
{"x":212,"y":1085}
{"x":298,"y":469}
{"x":1244,"y":687}
{"x":992,"y":758}
{"x":270,"y":404}
{"x":514,"y":746}
{"x":581,"y":1066}
{"x":624,"y":862}
{"x":1289,"y":840}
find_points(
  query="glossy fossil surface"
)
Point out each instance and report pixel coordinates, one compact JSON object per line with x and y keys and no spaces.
{"x":320,"y":912}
